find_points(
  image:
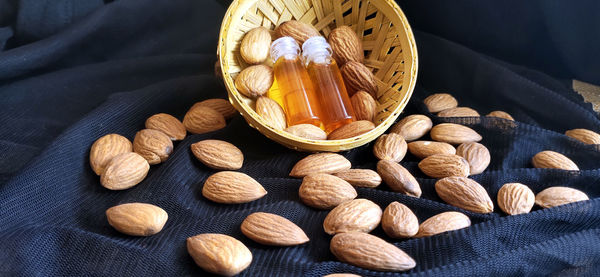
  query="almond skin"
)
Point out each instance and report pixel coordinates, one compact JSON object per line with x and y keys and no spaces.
{"x":255,"y":45}
{"x":358,"y":77}
{"x":364,"y":106}
{"x":137,"y":219}
{"x":370,"y":252}
{"x":551,"y":159}
{"x":230,"y":187}
{"x":358,"y":215}
{"x":412,"y":127}
{"x":167,"y":124}
{"x":351,"y":130}
{"x":307,"y":131}
{"x":423,"y":149}
{"x":218,"y":154}
{"x":153,"y":145}
{"x":202,"y":119}
{"x":398,"y":221}
{"x":459,"y":112}
{"x":515,"y":198}
{"x":324,"y":191}
{"x":476,"y":154}
{"x":298,"y":30}
{"x":444,"y":165}
{"x":464,"y":193}
{"x":254,"y":80}
{"x":106,"y":148}
{"x":454,"y":133}
{"x":444,"y":222}
{"x":584,"y":135}
{"x":439,"y":102}
{"x":398,"y":178}
{"x":557,"y":196}
{"x":219,"y":254}
{"x":365,"y":178}
{"x":271,"y":112}
{"x":390,"y":147}
{"x":501,"y":114}
{"x":320,"y":163}
{"x":124,"y":171}
{"x":272,"y":229}
{"x":345,"y":45}
{"x":220,"y":105}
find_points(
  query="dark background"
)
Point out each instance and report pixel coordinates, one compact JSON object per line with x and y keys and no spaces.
{"x":72,"y":71}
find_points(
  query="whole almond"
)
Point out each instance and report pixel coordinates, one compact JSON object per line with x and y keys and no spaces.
{"x":272,"y":229}
{"x":271,"y":112}
{"x":298,"y":30}
{"x":255,"y":45}
{"x":557,"y":196}
{"x":412,"y":127}
{"x":324,"y":191}
{"x":106,"y":148}
{"x":370,"y":252}
{"x":230,"y":187}
{"x":454,"y":133}
{"x":476,"y":154}
{"x":219,"y":254}
{"x":358,"y":215}
{"x":551,"y":159}
{"x":444,"y":165}
{"x":254,"y":80}
{"x":153,"y":145}
{"x":218,"y":154}
{"x":358,"y":77}
{"x":439,"y":102}
{"x":501,"y":114}
{"x":364,"y":106}
{"x":464,"y":193}
{"x":515,"y":198}
{"x":137,"y":219}
{"x":398,"y":178}
{"x":423,"y":149}
{"x":320,"y":163}
{"x":459,"y":112}
{"x":307,"y":131}
{"x":390,"y":147}
{"x":443,"y":222}
{"x":351,"y":130}
{"x":345,"y":45}
{"x":220,"y":105}
{"x":202,"y":119}
{"x":365,"y":178}
{"x":584,"y":135}
{"x":167,"y":124}
{"x":124,"y":171}
{"x":398,"y":221}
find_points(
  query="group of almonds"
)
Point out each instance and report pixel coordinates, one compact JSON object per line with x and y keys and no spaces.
{"x":256,"y":80}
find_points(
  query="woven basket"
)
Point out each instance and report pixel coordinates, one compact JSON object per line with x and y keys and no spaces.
{"x":389,"y":44}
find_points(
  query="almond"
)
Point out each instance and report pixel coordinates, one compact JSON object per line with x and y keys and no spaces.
{"x":153,"y":145}
{"x":443,"y":222}
{"x":358,"y":215}
{"x":364,"y":106}
{"x":255,"y":45}
{"x":398,"y":221}
{"x":358,"y":77}
{"x":351,"y":130}
{"x":501,"y":114}
{"x":370,"y":252}
{"x":439,"y":102}
{"x":254,"y":80}
{"x":320,"y":163}
{"x":390,"y":147}
{"x":124,"y":171}
{"x":412,"y":127}
{"x":307,"y":131}
{"x":423,"y":149}
{"x":137,"y":219}
{"x":584,"y":135}
{"x":345,"y":45}
{"x":271,"y":112}
{"x":230,"y":187}
{"x":365,"y":178}
{"x":219,"y":254}
{"x":298,"y":30}
{"x":444,"y":165}
{"x":398,"y":178}
{"x":515,"y":198}
{"x":324,"y":191}
{"x":551,"y":159}
{"x":220,"y":105}
{"x":167,"y":124}
{"x":454,"y":133}
{"x":218,"y":154}
{"x":202,"y":119}
{"x":459,"y":112}
{"x":272,"y":229}
{"x":556,"y":196}
{"x":464,"y":193}
{"x":106,"y":148}
{"x":476,"y":154}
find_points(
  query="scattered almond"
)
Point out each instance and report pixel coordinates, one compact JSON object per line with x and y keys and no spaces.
{"x":124,"y":171}
{"x":137,"y":219}
{"x":153,"y":145}
{"x":220,"y":105}
{"x":444,"y":222}
{"x":454,"y":133}
{"x":218,"y":154}
{"x":398,"y":178}
{"x":515,"y":198}
{"x":459,"y":112}
{"x":320,"y":163}
{"x":557,"y":196}
{"x":444,"y":165}
{"x":584,"y":135}
{"x":202,"y":119}
{"x":351,"y":130}
{"x":358,"y":215}
{"x":501,"y":114}
{"x":219,"y":254}
{"x":412,"y":127}
{"x":324,"y":191}
{"x":398,"y":221}
{"x":439,"y":102}
{"x":551,"y":159}
{"x":464,"y":193}
{"x":271,"y":112}
{"x":272,"y":229}
{"x":390,"y":147}
{"x":423,"y":149}
{"x":307,"y":131}
{"x":345,"y":45}
{"x":358,"y":77}
{"x":364,"y":105}
{"x":365,"y":178}
{"x":476,"y":154}
{"x":230,"y":187}
{"x":167,"y":124}
{"x":106,"y":148}
{"x":298,"y":30}
{"x":254,"y":80}
{"x":255,"y":45}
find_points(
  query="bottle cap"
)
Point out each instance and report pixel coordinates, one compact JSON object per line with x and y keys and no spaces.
{"x":284,"y":46}
{"x":316,"y":49}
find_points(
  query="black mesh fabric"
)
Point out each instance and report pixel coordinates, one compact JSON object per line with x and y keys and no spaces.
{"x":105,"y":67}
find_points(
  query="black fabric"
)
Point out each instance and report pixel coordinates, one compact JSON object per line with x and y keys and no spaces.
{"x":67,"y":78}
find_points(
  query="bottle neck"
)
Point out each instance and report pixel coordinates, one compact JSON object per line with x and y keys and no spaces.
{"x":286,"y":47}
{"x":316,"y":50}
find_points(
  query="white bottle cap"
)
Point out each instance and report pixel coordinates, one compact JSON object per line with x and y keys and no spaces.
{"x":284,"y":46}
{"x":316,"y":49}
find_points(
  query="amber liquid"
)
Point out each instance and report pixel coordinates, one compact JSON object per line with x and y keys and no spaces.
{"x":336,"y":108}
